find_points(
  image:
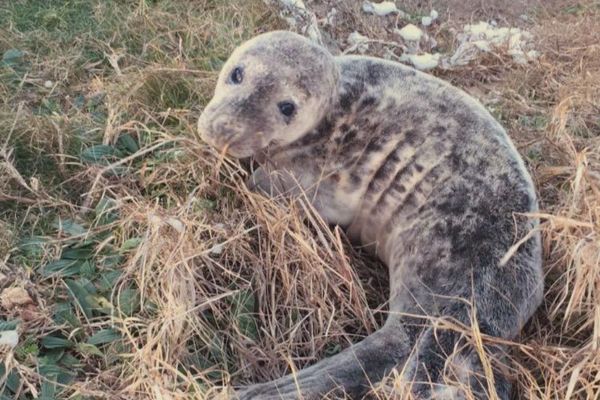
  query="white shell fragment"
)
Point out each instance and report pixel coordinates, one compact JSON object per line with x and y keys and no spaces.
{"x":484,"y":37}
{"x":424,"y":61}
{"x":294,"y":3}
{"x":358,"y":42}
{"x":429,"y":19}
{"x":217,"y":249}
{"x":410,"y":33}
{"x":382,"y":9}
{"x":9,"y":338}
{"x":330,"y":18}
{"x":482,"y":45}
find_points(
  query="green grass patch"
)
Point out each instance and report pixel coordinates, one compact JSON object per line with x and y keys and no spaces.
{"x":71,"y":73}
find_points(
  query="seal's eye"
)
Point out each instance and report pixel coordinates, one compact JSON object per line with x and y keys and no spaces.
{"x":286,"y":108}
{"x":237,"y":75}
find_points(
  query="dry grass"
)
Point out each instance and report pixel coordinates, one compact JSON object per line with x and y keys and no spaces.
{"x":172,"y":280}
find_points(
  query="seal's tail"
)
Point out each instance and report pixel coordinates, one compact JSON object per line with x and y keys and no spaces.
{"x":351,"y":372}
{"x":447,"y":365}
{"x":436,"y":364}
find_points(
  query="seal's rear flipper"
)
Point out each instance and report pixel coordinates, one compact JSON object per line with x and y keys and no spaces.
{"x":355,"y":370}
{"x":447,"y":366}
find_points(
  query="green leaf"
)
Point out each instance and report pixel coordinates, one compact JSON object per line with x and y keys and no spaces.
{"x":62,"y":268}
{"x":129,"y":301}
{"x":131,"y":243}
{"x":243,"y":303}
{"x":150,"y":307}
{"x":49,"y":369}
{"x":88,"y":269}
{"x":204,"y":204}
{"x":83,"y":296}
{"x":112,"y":260}
{"x":128,"y":143}
{"x":108,"y":279}
{"x":9,"y":325}
{"x":89,"y":350}
{"x":70,"y":362}
{"x":51,"y":357}
{"x":105,"y":211}
{"x":12,"y":56}
{"x":104,"y":336}
{"x":80,"y":253}
{"x":48,"y":390}
{"x":79,"y":101}
{"x":105,"y":204}
{"x":12,"y":383}
{"x":212,"y":369}
{"x":27,"y":347}
{"x":63,"y":313}
{"x":217,"y":348}
{"x":33,"y":247}
{"x":333,"y":350}
{"x":101,"y":154}
{"x":70,"y":227}
{"x":13,"y":380}
{"x":106,"y":307}
{"x":53,"y":342}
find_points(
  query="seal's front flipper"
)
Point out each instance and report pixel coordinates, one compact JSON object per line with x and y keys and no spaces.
{"x":352,"y":372}
{"x":273,"y":183}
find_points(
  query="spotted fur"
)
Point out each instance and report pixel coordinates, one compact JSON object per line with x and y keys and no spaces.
{"x":415,"y":170}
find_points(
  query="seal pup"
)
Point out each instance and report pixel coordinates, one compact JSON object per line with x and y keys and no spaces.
{"x":416,"y":170}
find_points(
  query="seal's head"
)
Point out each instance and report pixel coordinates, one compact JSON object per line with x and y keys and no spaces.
{"x":274,"y":89}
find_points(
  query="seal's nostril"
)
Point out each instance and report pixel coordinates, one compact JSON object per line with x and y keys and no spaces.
{"x":223,"y":131}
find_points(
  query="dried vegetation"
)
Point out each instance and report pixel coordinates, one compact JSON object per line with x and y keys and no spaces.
{"x":134,"y":263}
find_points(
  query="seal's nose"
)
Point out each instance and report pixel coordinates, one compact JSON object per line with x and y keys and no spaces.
{"x":224,"y":130}
{"x":218,"y":131}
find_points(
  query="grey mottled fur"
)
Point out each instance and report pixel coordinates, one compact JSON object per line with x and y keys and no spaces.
{"x":412,"y":168}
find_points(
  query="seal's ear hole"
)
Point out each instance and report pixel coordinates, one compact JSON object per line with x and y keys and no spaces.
{"x":287,"y":108}
{"x":237,"y":75}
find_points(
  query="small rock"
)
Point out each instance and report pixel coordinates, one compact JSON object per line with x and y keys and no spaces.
{"x":424,"y":61}
{"x":358,"y":41}
{"x":518,"y":56}
{"x":34,"y":183}
{"x":482,"y":28}
{"x":176,"y":224}
{"x":382,"y":9}
{"x":217,"y":249}
{"x":294,"y":3}
{"x":48,"y":84}
{"x":426,"y":21}
{"x":434,"y":15}
{"x":30,"y":313}
{"x":410,"y":33}
{"x":330,"y":19}
{"x":15,"y":296}
{"x":291,"y":21}
{"x":482,"y":45}
{"x":9,"y":338}
{"x":486,"y":37}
